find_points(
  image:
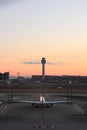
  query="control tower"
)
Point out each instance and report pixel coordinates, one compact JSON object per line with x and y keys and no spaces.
{"x":43,"y":61}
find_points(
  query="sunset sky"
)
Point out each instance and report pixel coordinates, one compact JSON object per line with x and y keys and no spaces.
{"x":54,"y":29}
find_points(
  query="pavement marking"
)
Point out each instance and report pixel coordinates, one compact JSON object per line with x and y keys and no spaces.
{"x":78,"y":109}
{"x":1,"y":107}
{"x":4,"y":109}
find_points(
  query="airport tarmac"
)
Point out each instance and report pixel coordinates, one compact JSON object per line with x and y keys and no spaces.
{"x":59,"y":116}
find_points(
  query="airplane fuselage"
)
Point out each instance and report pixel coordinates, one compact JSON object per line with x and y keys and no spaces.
{"x":42,"y":103}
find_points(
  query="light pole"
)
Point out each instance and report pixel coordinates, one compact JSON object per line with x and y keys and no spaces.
{"x":69,"y":91}
{"x":10,"y":96}
{"x":18,"y":74}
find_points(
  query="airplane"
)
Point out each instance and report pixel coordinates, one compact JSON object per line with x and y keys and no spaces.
{"x":42,"y":102}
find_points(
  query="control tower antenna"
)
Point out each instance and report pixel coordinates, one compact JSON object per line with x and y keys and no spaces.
{"x":43,"y":61}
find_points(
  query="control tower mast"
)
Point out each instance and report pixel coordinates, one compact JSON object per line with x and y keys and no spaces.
{"x":43,"y":61}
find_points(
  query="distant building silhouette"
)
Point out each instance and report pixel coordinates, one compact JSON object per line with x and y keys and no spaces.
{"x":4,"y":76}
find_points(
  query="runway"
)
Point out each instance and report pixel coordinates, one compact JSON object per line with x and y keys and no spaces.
{"x":60,"y":116}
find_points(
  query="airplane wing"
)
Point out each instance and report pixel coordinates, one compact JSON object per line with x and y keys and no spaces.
{"x":59,"y":102}
{"x":38,"y":102}
{"x":27,"y":102}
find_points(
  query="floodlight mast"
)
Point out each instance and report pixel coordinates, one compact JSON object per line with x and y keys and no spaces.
{"x":43,"y":61}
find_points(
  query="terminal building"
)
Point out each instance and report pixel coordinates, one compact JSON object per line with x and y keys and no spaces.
{"x":61,"y":79}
